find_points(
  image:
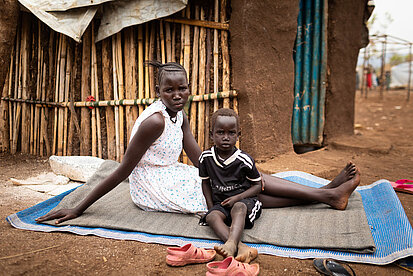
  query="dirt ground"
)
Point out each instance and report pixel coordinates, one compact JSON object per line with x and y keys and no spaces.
{"x":381,"y":148}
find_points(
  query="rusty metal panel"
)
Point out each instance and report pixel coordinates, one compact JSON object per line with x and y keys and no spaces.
{"x":310,"y":57}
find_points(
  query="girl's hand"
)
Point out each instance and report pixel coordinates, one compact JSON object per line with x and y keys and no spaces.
{"x":60,"y":215}
{"x":229,"y":202}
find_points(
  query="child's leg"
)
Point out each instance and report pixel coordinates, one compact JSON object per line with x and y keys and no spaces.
{"x":230,"y":235}
{"x":281,"y":193}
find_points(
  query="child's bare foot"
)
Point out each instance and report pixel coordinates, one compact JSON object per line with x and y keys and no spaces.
{"x":227,"y":249}
{"x":339,"y":199}
{"x":345,"y":175}
{"x":245,"y":253}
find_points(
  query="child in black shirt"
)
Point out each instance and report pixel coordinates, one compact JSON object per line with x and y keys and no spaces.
{"x":230,"y":183}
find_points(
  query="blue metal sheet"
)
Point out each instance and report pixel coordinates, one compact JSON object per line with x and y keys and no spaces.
{"x":310,"y":64}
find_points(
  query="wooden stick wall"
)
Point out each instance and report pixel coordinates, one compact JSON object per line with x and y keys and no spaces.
{"x":52,"y":80}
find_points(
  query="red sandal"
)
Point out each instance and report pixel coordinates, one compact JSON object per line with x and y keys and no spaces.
{"x":230,"y":267}
{"x":188,"y":254}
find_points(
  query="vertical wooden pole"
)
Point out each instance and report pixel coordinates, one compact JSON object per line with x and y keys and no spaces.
{"x":162,"y":41}
{"x":17,"y":80}
{"x":173,"y":41}
{"x":116,"y":97}
{"x":141,"y":86}
{"x":130,"y":78}
{"x":201,"y":85}
{"x":152,"y":85}
{"x":56,"y":96}
{"x":187,"y":60}
{"x":216,"y":54}
{"x":147,"y":83}
{"x":194,"y":75}
{"x":85,"y":146}
{"x":61,"y":92}
{"x":25,"y":127}
{"x":208,"y":79}
{"x":107,"y":93}
{"x":66,"y":97}
{"x":121,"y":94}
{"x":225,"y":54}
{"x":168,"y":42}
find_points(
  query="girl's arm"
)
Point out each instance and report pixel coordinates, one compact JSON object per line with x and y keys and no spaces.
{"x":149,"y":130}
{"x":207,"y":191}
{"x":191,"y":147}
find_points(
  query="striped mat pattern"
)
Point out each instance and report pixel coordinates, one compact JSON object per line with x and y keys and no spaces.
{"x":390,"y":227}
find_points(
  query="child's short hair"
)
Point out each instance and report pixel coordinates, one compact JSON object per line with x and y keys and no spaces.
{"x":223,"y":112}
{"x":166,"y":67}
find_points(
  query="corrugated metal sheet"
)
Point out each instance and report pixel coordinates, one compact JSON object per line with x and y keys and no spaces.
{"x":310,"y":57}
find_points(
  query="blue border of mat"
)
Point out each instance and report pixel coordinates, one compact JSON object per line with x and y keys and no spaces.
{"x":390,"y":227}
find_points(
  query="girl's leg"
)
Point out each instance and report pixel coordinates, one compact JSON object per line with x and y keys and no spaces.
{"x":282,"y":193}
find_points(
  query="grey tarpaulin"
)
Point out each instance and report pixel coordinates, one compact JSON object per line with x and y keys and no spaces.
{"x":72,"y":17}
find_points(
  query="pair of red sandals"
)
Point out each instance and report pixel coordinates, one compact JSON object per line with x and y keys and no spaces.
{"x":190,"y":254}
{"x":403,"y":185}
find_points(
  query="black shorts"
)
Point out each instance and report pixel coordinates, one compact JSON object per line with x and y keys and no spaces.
{"x":254,"y":207}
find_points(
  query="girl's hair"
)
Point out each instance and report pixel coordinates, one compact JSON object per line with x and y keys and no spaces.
{"x":223,"y":112}
{"x":166,"y":67}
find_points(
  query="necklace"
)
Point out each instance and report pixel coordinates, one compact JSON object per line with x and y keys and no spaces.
{"x":173,"y":119}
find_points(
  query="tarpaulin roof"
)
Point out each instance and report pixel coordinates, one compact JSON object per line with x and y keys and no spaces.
{"x":72,"y":17}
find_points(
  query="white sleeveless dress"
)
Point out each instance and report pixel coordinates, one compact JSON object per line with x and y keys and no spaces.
{"x":159,"y":182}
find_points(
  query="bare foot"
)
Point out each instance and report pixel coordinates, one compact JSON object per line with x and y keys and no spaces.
{"x":345,"y":175}
{"x":245,"y":253}
{"x":227,"y":249}
{"x":339,"y":199}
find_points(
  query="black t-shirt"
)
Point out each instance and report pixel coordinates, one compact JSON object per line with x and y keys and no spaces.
{"x":227,"y":177}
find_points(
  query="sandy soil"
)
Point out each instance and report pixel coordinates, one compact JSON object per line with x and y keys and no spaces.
{"x":36,"y":253}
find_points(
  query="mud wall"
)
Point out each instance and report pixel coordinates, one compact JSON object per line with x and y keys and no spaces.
{"x":345,"y":25}
{"x":262,"y":41}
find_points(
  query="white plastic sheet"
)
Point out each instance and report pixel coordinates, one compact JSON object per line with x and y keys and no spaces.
{"x":400,"y":75}
{"x":72,"y":17}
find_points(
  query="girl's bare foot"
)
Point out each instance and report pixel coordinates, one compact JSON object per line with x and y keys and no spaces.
{"x":245,"y":253}
{"x":345,"y":175}
{"x":339,"y":198}
{"x":227,"y":249}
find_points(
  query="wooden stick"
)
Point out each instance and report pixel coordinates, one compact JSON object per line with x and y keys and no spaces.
{"x":187,"y":61}
{"x":141,"y":81}
{"x":4,"y":128}
{"x":173,"y":57}
{"x":130,"y":77}
{"x":38,"y":92}
{"x":168,"y":42}
{"x":43,"y":118}
{"x":225,"y":53}
{"x":31,"y":114}
{"x":208,"y":79}
{"x":194,"y":75}
{"x":201,"y":85}
{"x":121,"y":94}
{"x":181,"y":53}
{"x":10,"y":94}
{"x":95,"y":92}
{"x":56,"y":95}
{"x":85,"y":146}
{"x":199,"y":23}
{"x":216,"y":53}
{"x":66,"y":97}
{"x":162,"y":41}
{"x":151,"y":56}
{"x":15,"y":94}
{"x":25,"y":127}
{"x":147,"y":84}
{"x":107,"y":92}
{"x":62,"y":89}
{"x":116,"y":97}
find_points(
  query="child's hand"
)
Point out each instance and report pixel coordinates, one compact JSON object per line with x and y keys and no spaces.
{"x":229,"y":202}
{"x":60,"y":215}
